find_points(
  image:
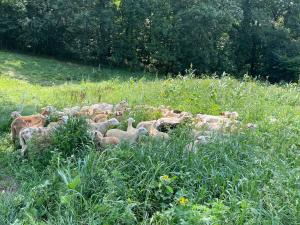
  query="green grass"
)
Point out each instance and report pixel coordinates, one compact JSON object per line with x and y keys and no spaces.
{"x":250,"y":177}
{"x":47,"y":72}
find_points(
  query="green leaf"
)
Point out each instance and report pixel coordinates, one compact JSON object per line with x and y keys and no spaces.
{"x":170,"y":189}
{"x":74,"y":183}
{"x":64,"y":199}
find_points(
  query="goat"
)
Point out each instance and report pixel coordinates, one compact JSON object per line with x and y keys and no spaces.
{"x":104,"y":141}
{"x":71,"y":111}
{"x":153,"y":132}
{"x":100,"y":117}
{"x":26,"y":121}
{"x":27,"y":133}
{"x":122,"y":106}
{"x":101,"y":107}
{"x":151,"y":126}
{"x":48,"y":110}
{"x":230,"y":115}
{"x":129,"y":126}
{"x":129,"y":136}
{"x":62,"y":120}
{"x":104,"y":126}
{"x":146,"y":124}
{"x":15,"y":114}
{"x":164,"y":124}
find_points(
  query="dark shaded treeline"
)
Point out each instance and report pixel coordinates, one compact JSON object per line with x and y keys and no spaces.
{"x":259,"y":37}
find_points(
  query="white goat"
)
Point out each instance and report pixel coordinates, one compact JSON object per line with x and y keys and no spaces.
{"x":121,"y":107}
{"x":27,"y":133}
{"x":129,"y":126}
{"x":71,"y":111}
{"x":129,"y":136}
{"x":104,"y":126}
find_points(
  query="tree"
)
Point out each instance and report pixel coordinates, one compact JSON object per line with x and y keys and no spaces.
{"x":258,"y":37}
{"x":12,"y":13}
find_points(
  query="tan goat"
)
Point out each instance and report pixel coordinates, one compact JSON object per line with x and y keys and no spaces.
{"x":131,"y":136}
{"x":26,"y":121}
{"x":104,"y":141}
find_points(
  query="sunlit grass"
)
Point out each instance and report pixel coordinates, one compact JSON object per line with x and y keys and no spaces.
{"x":47,"y":71}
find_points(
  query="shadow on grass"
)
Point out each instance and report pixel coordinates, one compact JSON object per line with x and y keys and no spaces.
{"x":47,"y":71}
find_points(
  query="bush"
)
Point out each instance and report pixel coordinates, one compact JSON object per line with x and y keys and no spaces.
{"x":73,"y":138}
{"x":186,"y":213}
{"x":68,"y":140}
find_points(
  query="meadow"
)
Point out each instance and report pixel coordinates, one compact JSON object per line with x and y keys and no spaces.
{"x":247,"y":177}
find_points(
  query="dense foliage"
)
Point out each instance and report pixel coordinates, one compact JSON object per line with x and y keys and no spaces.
{"x":258,"y":37}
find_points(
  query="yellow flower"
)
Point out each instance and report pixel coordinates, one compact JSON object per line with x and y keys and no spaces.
{"x":183,"y":201}
{"x":165,"y":178}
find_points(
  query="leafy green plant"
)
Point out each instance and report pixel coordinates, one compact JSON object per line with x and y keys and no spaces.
{"x":187,"y":213}
{"x":72,"y":138}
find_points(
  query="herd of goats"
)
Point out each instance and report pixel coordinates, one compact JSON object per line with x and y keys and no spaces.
{"x":102,"y":117}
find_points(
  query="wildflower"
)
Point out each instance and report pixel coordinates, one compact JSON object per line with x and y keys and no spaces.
{"x":165,"y":178}
{"x":183,"y":201}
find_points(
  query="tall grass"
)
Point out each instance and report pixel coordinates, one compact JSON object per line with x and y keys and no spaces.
{"x":249,"y":177}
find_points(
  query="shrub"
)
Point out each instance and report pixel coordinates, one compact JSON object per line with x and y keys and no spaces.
{"x":73,"y":138}
{"x":68,"y":140}
{"x":186,"y":213}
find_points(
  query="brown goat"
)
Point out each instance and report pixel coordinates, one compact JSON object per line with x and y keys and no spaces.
{"x":26,"y":121}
